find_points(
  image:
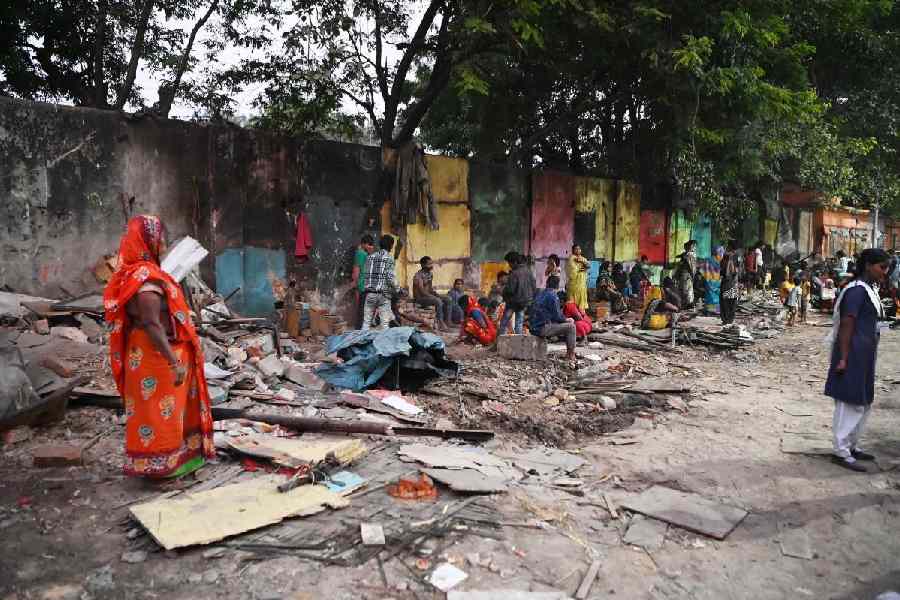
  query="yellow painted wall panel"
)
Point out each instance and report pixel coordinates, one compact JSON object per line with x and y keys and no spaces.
{"x":771,"y":232}
{"x":628,"y":221}
{"x":587,"y":194}
{"x":489,"y":271}
{"x":444,"y":275}
{"x":452,"y":240}
{"x":449,"y":180}
{"x":605,"y":201}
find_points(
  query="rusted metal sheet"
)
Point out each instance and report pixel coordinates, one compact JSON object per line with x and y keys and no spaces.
{"x":604,"y":215}
{"x":449,"y":180}
{"x":628,"y":219}
{"x":679,"y":234}
{"x":652,"y":236}
{"x":258,"y":272}
{"x":499,"y":198}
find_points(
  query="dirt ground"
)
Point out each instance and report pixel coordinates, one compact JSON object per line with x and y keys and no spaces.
{"x":64,"y":531}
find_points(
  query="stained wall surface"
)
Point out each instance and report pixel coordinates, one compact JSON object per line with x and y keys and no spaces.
{"x":500,"y":198}
{"x":628,"y":220}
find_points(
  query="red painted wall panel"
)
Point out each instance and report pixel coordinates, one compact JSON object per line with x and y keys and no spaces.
{"x":652,"y":235}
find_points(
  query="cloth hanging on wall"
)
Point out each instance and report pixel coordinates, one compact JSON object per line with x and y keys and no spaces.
{"x":304,"y":238}
{"x":411,"y":198}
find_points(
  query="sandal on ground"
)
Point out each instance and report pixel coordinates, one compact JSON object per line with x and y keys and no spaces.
{"x":850,"y":464}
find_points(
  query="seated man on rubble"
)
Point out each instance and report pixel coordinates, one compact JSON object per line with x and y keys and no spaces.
{"x":547,"y":320}
{"x":476,"y":326}
{"x":425,"y":296}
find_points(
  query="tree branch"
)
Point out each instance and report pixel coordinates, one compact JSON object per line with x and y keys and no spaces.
{"x":136,"y":51}
{"x":167,"y":93}
{"x":380,"y":71}
{"x":99,"y":99}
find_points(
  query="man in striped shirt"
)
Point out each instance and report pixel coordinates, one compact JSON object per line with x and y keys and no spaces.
{"x":381,"y":284}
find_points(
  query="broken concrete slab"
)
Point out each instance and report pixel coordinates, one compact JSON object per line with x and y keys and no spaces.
{"x":459,"y":457}
{"x":42,"y":327}
{"x":29,"y":339}
{"x":69,"y":333}
{"x":689,"y":511}
{"x":522,"y":347}
{"x":59,"y":366}
{"x":446,"y":576}
{"x":57,"y":455}
{"x":90,"y":327}
{"x":649,"y":534}
{"x":544,"y":461}
{"x":795,"y":543}
{"x":213,"y":515}
{"x":372,"y":534}
{"x":468,"y":480}
{"x":271,"y":366}
{"x":305,"y":378}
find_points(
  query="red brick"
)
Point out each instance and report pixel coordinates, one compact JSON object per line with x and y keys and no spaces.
{"x":57,"y":455}
{"x":59,"y":366}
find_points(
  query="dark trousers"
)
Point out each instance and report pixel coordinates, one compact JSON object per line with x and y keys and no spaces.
{"x":727,"y":308}
{"x":360,"y":304}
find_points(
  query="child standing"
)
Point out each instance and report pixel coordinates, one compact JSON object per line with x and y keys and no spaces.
{"x":806,"y":288}
{"x":793,"y":301}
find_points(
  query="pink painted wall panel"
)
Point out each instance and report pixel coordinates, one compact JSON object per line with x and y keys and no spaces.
{"x":552,"y":214}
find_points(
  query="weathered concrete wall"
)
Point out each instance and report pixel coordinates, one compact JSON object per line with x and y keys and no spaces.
{"x":63,"y":175}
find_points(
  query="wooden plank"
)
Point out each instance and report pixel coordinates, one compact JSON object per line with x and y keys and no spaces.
{"x":585,"y":588}
{"x":689,"y":511}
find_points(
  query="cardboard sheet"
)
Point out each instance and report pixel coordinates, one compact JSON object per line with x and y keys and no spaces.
{"x":216,"y":514}
{"x":293,"y":452}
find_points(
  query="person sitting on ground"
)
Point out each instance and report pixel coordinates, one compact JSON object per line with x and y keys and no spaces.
{"x":792,"y":303}
{"x":606,"y":290}
{"x":620,"y":279}
{"x":518,"y":292}
{"x":639,"y":278}
{"x":457,"y":314}
{"x":583,"y":323}
{"x":425,"y":296}
{"x":670,"y":294}
{"x":547,"y":321}
{"x":668,"y":306}
{"x":476,"y":326}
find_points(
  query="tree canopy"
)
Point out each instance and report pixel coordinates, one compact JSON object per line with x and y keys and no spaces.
{"x":721,"y":100}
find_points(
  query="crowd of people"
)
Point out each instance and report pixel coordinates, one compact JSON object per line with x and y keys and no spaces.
{"x":157,"y":360}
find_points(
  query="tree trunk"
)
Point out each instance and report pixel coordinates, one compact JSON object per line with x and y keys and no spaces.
{"x":98,"y":83}
{"x":136,"y":51}
{"x":168,"y":91}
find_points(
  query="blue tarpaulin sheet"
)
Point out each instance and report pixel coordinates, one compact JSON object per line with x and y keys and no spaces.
{"x":367,"y":355}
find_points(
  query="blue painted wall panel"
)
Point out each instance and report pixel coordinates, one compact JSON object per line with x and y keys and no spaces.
{"x":230,"y":275}
{"x":253,"y":269}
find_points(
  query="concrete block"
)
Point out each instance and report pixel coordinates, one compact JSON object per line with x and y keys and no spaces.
{"x":271,"y":365}
{"x":42,"y":327}
{"x":69,"y":333}
{"x":522,"y":347}
{"x":305,"y":378}
{"x":57,"y":455}
{"x":59,"y":366}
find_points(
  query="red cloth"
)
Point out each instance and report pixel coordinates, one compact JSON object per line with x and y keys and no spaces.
{"x":582,"y":321}
{"x":304,"y":238}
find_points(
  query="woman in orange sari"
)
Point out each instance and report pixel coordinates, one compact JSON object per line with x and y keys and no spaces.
{"x":476,"y":325}
{"x":156,"y":360}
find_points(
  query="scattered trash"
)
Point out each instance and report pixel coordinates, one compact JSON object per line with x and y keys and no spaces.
{"x":420,"y":489}
{"x":401,"y":405}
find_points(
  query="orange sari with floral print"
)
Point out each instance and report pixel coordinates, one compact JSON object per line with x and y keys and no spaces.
{"x":167,"y":426}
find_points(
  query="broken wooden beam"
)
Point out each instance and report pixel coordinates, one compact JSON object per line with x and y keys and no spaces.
{"x":585,"y":588}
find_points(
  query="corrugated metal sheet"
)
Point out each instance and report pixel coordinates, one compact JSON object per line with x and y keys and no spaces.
{"x":628,"y":221}
{"x":605,"y":227}
{"x":679,"y":234}
{"x":652,"y":237}
{"x":701,"y":231}
{"x":500,"y":210}
{"x":449,"y":180}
